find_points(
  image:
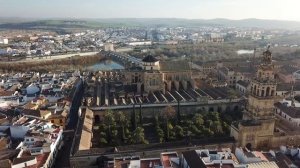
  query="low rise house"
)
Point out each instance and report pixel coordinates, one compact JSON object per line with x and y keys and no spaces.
{"x":289,"y":111}
{"x":40,"y":145}
{"x":242,"y":86}
{"x":230,"y":76}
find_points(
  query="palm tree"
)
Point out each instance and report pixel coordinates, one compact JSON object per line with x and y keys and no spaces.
{"x":179,"y":131}
{"x":198,"y":120}
{"x":209,"y":123}
{"x":109,"y":120}
{"x":217,"y":127}
{"x":122,"y":121}
{"x":167,"y":114}
{"x":139,"y":136}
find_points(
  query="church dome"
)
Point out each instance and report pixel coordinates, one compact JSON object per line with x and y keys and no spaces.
{"x":149,"y":58}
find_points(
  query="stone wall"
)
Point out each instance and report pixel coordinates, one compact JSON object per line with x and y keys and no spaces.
{"x":289,"y":140}
{"x":149,"y":112}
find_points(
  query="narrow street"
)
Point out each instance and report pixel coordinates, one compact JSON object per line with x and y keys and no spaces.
{"x":62,"y":159}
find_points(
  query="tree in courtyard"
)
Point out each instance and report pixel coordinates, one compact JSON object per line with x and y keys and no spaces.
{"x":122,"y":120}
{"x":133,"y":118}
{"x":217,"y":127}
{"x":198,"y":120}
{"x":167,"y":114}
{"x":109,"y":121}
{"x":103,"y":138}
{"x":172,"y":134}
{"x":179,"y":131}
{"x":214,"y":116}
{"x":160,"y":134}
{"x":209,"y":123}
{"x":139,"y":136}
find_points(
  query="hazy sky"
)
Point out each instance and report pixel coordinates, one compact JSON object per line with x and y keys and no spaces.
{"x":193,"y":9}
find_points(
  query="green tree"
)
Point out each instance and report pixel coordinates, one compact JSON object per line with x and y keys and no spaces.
{"x":209,"y":123}
{"x":122,"y":120}
{"x":214,"y":116}
{"x":103,"y":138}
{"x":160,"y":134}
{"x":109,"y":121}
{"x":167,"y":114}
{"x":198,"y":120}
{"x":115,"y":138}
{"x":139,"y":136}
{"x":217,"y":127}
{"x":179,"y":131}
{"x":103,"y":141}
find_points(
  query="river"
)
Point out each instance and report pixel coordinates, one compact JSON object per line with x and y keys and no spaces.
{"x":106,"y":65}
{"x":240,"y":52}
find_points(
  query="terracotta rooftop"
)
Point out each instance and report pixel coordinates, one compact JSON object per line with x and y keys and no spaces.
{"x":41,"y":159}
{"x":6,"y":93}
{"x":22,"y":160}
{"x":150,"y":163}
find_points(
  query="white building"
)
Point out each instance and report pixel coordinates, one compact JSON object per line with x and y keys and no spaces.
{"x":3,"y":41}
{"x":40,"y":145}
{"x":288,"y":111}
{"x":140,"y":43}
{"x":242,"y":86}
{"x":109,"y":47}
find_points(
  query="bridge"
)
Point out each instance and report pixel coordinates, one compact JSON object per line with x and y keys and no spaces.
{"x":123,"y":59}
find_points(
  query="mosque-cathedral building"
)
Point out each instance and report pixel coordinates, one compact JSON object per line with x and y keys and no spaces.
{"x":155,"y":75}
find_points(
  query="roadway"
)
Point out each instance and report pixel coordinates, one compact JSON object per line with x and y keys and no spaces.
{"x":63,"y":156}
{"x":54,"y":57}
{"x":125,"y":57}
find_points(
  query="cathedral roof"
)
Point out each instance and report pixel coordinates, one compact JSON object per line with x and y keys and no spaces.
{"x":149,"y":58}
{"x":135,"y":68}
{"x":175,"y":66}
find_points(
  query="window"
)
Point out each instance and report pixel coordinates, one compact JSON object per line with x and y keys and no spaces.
{"x":32,"y":139}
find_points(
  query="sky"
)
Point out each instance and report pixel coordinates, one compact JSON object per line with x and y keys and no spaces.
{"x":190,"y":9}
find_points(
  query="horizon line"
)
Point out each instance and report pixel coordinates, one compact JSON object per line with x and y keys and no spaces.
{"x":107,"y":18}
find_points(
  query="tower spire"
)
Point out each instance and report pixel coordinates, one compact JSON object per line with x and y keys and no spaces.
{"x":292,"y":96}
{"x":267,"y":56}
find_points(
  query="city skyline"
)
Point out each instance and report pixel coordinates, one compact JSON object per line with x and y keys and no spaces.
{"x":192,"y":9}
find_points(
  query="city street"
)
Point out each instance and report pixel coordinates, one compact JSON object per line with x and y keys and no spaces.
{"x":62,"y":159}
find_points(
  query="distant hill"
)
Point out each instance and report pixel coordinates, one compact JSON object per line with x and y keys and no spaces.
{"x":260,"y":23}
{"x":20,"y":23}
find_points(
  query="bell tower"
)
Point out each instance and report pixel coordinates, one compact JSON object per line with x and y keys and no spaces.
{"x":257,"y":127}
{"x":263,"y":88}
